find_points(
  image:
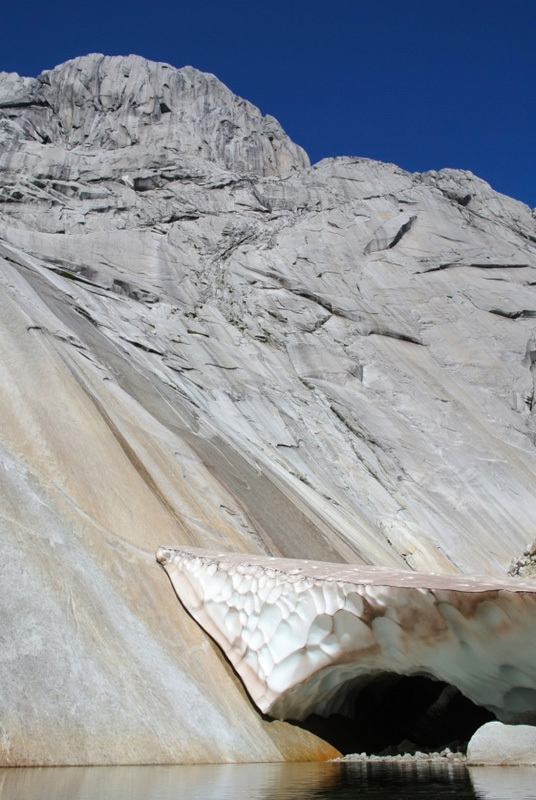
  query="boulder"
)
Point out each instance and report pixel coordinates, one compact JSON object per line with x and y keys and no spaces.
{"x":506,"y":745}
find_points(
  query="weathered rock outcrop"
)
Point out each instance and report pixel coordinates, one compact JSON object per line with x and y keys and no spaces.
{"x":207,"y":342}
{"x":103,"y":103}
{"x":525,"y":565}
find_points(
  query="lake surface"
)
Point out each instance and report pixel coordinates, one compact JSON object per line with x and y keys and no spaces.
{"x":326,"y":781}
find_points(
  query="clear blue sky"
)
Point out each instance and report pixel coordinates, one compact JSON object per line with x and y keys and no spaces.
{"x":422,"y":83}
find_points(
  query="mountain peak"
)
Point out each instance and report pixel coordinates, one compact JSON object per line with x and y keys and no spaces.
{"x":111,"y":102}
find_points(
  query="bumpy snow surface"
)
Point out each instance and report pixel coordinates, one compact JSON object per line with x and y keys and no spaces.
{"x":305,"y":636}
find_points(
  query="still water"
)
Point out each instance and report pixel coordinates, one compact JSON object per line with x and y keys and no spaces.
{"x":327,"y":781}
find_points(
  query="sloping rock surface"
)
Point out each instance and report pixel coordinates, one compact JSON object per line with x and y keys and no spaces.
{"x":207,"y":342}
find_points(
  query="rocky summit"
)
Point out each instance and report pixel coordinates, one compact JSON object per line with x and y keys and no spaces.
{"x":207,"y":342}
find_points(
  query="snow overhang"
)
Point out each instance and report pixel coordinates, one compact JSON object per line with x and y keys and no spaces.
{"x":306,"y":636}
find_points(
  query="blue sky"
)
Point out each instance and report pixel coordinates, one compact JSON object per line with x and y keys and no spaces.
{"x":422,"y":83}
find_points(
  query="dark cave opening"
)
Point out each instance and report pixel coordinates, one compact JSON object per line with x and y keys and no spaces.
{"x":402,"y":714}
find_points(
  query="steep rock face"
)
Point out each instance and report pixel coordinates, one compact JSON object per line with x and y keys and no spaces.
{"x":207,"y":342}
{"x":110,"y":103}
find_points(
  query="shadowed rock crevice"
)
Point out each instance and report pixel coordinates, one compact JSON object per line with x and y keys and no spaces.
{"x":401,"y":714}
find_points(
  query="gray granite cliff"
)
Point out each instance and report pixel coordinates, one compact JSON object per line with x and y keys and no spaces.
{"x":205,"y":341}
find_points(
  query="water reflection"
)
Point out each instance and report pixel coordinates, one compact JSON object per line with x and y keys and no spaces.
{"x":511,"y":783}
{"x":328,"y":781}
{"x":196,"y":782}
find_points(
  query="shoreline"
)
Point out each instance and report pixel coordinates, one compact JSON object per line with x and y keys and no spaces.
{"x":445,"y":756}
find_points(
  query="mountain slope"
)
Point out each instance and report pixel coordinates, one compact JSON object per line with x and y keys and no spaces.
{"x":207,"y":341}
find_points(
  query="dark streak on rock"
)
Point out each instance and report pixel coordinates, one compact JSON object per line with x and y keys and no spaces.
{"x":523,"y":314}
{"x":484,"y":265}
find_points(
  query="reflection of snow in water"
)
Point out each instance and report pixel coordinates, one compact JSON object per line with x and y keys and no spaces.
{"x":313,"y":781}
{"x":504,"y":783}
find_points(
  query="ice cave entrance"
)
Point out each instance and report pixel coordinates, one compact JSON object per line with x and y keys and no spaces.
{"x":401,"y":714}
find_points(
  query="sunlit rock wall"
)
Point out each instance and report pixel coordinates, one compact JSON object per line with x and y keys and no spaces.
{"x":207,"y":342}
